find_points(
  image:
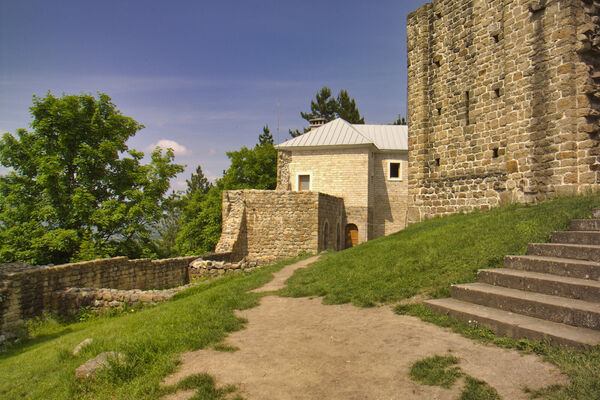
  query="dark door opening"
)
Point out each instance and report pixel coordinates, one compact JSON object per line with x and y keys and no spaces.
{"x":351,"y":235}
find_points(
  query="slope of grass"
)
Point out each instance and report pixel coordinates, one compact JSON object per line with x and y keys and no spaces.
{"x":428,"y":257}
{"x":43,"y":368}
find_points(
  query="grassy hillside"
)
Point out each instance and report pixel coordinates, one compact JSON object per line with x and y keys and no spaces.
{"x":428,"y":257}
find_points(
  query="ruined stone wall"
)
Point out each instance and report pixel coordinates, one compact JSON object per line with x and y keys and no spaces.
{"x":26,"y":291}
{"x":276,"y":224}
{"x":503,"y":102}
{"x":390,"y":197}
{"x":332,"y":222}
{"x":284,"y":158}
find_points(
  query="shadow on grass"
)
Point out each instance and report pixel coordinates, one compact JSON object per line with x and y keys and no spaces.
{"x":23,"y":345}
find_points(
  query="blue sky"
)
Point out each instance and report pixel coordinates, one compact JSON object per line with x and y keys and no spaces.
{"x":204,"y":75}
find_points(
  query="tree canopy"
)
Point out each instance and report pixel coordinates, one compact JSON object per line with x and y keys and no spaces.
{"x":329,"y":108}
{"x":75,"y":190}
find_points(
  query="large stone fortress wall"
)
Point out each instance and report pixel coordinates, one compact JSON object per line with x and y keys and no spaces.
{"x":504,"y":100}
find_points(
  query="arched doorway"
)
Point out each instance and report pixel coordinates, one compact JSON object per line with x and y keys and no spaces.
{"x":325,"y":232}
{"x":351,"y":235}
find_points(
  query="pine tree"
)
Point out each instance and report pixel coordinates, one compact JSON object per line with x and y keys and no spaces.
{"x":329,"y":108}
{"x":265,"y":137}
{"x":346,"y":109}
{"x":400,"y":121}
{"x":197,"y":182}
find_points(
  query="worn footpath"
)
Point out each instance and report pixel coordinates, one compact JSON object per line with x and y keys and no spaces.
{"x":301,"y":349}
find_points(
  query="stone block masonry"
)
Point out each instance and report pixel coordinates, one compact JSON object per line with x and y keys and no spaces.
{"x":503,"y":102}
{"x":265,"y":226}
{"x":27,"y":291}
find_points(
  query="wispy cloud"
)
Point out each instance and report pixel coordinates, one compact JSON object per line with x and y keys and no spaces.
{"x":178,"y":149}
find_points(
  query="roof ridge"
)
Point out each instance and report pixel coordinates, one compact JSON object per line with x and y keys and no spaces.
{"x":369,"y":140}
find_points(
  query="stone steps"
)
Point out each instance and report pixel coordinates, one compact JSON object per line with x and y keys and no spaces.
{"x":505,"y":323}
{"x":551,"y":293}
{"x":562,"y":250}
{"x":573,"y":288}
{"x":551,"y":308}
{"x":556,"y":266}
{"x":576,"y":237}
{"x":585,"y":224}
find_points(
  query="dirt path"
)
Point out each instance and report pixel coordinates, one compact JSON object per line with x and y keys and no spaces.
{"x":302,"y":349}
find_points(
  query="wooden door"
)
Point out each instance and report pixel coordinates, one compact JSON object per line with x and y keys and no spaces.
{"x":351,"y":235}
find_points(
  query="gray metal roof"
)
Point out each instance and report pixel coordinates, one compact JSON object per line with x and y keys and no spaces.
{"x":341,"y":133}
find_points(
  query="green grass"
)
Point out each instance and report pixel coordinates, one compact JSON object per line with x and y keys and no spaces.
{"x":427,"y":258}
{"x":436,"y":371}
{"x":443,"y":371}
{"x":43,"y":367}
{"x":478,"y":390}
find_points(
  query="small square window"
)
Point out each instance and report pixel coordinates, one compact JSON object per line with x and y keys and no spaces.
{"x":395,"y":170}
{"x":303,"y":182}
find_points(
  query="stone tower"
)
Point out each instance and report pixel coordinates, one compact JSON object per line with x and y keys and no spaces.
{"x":503,"y":102}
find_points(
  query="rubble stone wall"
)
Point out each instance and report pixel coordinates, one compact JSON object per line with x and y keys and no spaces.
{"x":263,"y":226}
{"x":503,"y":102}
{"x":26,"y":291}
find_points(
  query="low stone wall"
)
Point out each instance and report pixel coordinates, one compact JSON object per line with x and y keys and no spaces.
{"x":70,"y":301}
{"x":27,"y":291}
{"x":209,"y":266}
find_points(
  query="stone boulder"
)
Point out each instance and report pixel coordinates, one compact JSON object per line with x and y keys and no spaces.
{"x":81,"y":345}
{"x":89,"y":369}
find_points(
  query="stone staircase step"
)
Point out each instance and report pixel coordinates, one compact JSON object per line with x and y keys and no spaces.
{"x":585,"y":224}
{"x":555,"y":266}
{"x":560,"y":250}
{"x":576,"y":237}
{"x":505,"y":323}
{"x":573,"y":288}
{"x":552,"y":308}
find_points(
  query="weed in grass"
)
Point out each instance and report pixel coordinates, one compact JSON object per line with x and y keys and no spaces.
{"x":225,"y":348}
{"x":478,"y":390}
{"x":436,"y":371}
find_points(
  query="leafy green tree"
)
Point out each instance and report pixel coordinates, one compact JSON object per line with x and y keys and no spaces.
{"x":400,"y":121}
{"x":329,"y":108}
{"x":254,"y":168}
{"x":168,"y":227}
{"x":200,"y":223}
{"x":75,"y":190}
